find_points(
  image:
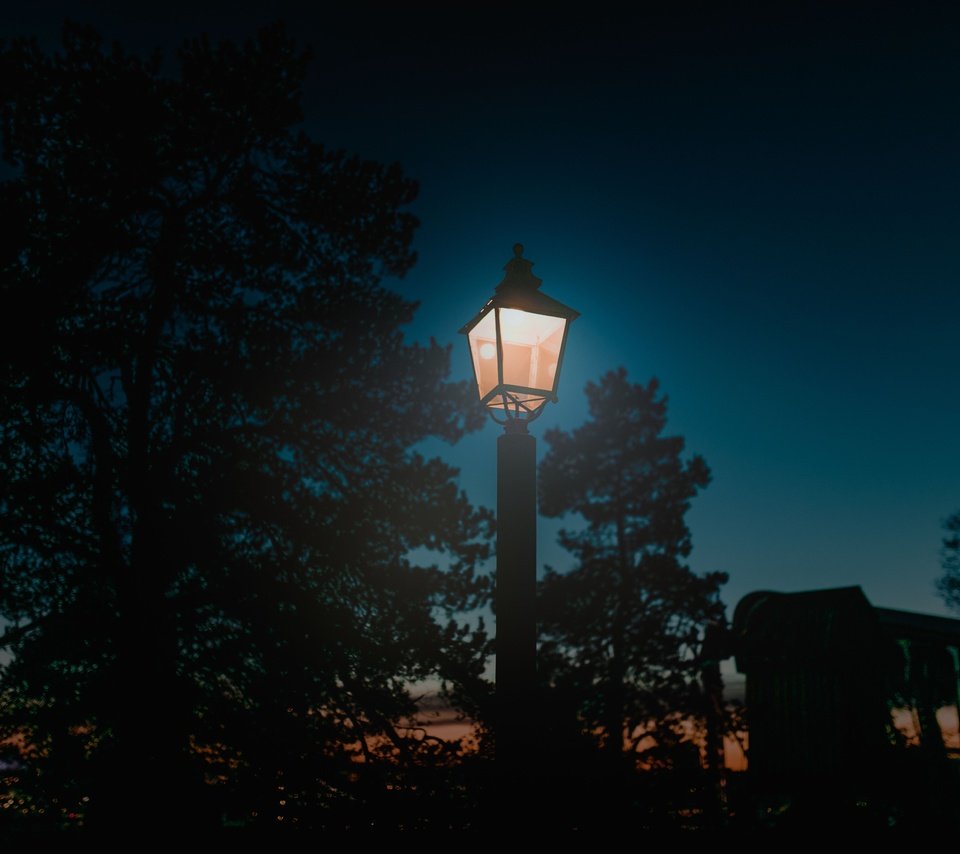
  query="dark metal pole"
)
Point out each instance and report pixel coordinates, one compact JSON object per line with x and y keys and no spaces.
{"x":515,"y":601}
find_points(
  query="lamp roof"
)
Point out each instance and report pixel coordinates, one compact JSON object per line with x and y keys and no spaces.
{"x":521,"y":289}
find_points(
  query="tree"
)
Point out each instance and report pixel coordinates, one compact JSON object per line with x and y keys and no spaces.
{"x":949,"y":583}
{"x":621,"y":633}
{"x":209,"y":501}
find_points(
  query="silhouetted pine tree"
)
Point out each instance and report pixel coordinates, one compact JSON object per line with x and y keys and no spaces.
{"x":621,"y":632}
{"x":949,"y":583}
{"x":208,"y":497}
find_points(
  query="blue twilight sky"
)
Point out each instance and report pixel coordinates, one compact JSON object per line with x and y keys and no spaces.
{"x":755,"y":203}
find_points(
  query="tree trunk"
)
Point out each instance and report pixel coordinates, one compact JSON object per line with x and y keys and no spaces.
{"x":712,"y":653}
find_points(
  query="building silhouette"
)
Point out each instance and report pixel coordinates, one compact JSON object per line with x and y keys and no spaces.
{"x":850,"y":707}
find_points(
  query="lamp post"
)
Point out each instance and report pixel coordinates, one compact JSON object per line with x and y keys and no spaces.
{"x":517,"y":343}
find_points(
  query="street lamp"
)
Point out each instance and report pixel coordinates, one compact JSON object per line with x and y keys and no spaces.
{"x":517,"y":343}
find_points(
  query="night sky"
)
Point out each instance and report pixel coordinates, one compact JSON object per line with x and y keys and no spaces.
{"x":756,"y":205}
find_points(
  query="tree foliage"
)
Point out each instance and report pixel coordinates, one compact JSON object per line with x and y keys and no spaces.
{"x":209,"y":497}
{"x":621,"y":633}
{"x":949,"y":583}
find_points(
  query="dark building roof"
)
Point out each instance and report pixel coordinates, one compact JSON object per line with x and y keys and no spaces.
{"x":833,"y":626}
{"x":907,"y":624}
{"x":824,"y":626}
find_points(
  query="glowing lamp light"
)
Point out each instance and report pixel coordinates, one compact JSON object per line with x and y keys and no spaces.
{"x":517,"y":342}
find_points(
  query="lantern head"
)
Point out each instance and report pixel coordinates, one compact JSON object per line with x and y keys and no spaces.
{"x":517,"y":342}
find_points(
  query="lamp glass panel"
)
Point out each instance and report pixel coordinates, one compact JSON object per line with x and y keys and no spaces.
{"x":531,"y":348}
{"x":483,"y":349}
